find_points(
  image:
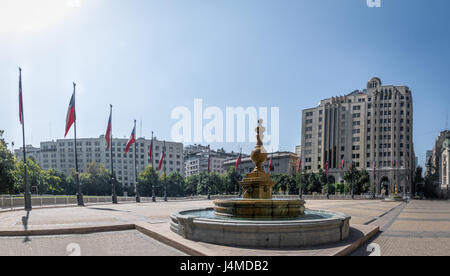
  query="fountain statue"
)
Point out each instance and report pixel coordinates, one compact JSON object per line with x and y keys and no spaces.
{"x":257,"y":220}
{"x":257,"y":189}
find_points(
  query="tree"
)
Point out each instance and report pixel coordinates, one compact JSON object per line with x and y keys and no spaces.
{"x":190,"y":185}
{"x":7,"y":165}
{"x":175,"y":185}
{"x":97,"y":181}
{"x":147,"y":178}
{"x":231,"y":181}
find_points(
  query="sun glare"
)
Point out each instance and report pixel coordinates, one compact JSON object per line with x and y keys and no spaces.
{"x":19,"y":16}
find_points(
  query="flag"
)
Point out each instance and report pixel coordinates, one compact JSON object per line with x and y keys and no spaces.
{"x":161,"y":160}
{"x":393,"y":163}
{"x":209,"y":158}
{"x":108,"y":132}
{"x":342,"y":164}
{"x":270,"y":163}
{"x":238,"y":161}
{"x":71,"y":117}
{"x":131,"y":141}
{"x":326,"y":167}
{"x":299,"y":169}
{"x":20,"y":98}
{"x":150,"y":151}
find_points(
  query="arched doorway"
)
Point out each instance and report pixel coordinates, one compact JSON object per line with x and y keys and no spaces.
{"x":385,"y":185}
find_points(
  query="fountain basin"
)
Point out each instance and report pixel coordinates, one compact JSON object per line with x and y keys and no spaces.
{"x":259,"y":208}
{"x":314,"y":228}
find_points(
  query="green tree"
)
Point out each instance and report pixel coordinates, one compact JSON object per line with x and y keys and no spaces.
{"x":231,"y":181}
{"x":147,"y":178}
{"x":97,"y":181}
{"x":175,"y":185}
{"x":7,"y":166}
{"x":190,"y":185}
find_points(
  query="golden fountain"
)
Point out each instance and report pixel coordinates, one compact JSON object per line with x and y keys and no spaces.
{"x":257,"y":188}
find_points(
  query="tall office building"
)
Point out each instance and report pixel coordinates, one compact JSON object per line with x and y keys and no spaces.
{"x":372,"y":128}
{"x":60,"y":155}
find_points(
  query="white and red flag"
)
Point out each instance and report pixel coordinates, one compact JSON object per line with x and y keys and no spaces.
{"x":238,"y":161}
{"x":20,"y":98}
{"x":270,"y":163}
{"x":150,"y":151}
{"x":108,"y":132}
{"x":131,"y":141}
{"x":299,"y":169}
{"x":161,"y":161}
{"x":326,"y":167}
{"x":71,"y":115}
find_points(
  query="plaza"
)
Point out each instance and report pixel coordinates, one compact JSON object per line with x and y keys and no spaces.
{"x":399,"y":228}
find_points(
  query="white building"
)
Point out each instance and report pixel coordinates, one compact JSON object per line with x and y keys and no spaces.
{"x":60,"y":155}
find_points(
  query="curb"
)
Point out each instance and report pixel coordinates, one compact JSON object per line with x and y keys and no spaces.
{"x":67,"y":231}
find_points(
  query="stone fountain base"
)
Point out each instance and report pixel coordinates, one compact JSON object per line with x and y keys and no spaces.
{"x":259,"y":208}
{"x":316,"y":228}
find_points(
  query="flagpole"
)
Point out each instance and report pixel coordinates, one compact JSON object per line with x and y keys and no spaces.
{"x":209,"y":164}
{"x":153,"y":182}
{"x":79,"y":194}
{"x":138,"y":197}
{"x":27,"y":195}
{"x":114,"y":195}
{"x":239,"y":164}
{"x":164,"y":164}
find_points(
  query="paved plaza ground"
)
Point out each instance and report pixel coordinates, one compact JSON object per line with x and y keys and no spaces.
{"x":416,"y":228}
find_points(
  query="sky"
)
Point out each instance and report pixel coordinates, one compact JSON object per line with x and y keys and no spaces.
{"x":147,"y":57}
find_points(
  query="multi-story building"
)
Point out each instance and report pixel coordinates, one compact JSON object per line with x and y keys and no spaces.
{"x":282,"y":162}
{"x":60,"y":155}
{"x":372,"y":128}
{"x":439,"y":161}
{"x":196,"y":159}
{"x":298,"y":151}
{"x":32,"y":153}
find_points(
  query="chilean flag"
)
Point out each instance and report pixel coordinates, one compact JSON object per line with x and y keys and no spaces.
{"x":209,"y":159}
{"x":393,"y":163}
{"x":150,"y":151}
{"x":20,"y":98}
{"x":238,"y":161}
{"x":161,"y":161}
{"x":326,"y":167}
{"x":270,"y":164}
{"x":131,"y":141}
{"x":299,"y":169}
{"x":71,"y":117}
{"x":342,"y":164}
{"x":108,"y":133}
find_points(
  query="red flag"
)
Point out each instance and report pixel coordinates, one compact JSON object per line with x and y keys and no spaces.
{"x":150,"y":151}
{"x":342,"y":164}
{"x":393,"y":163}
{"x":131,"y":141}
{"x":20,"y":98}
{"x":161,"y":161}
{"x":326,"y":167}
{"x":270,"y":164}
{"x":238,"y":161}
{"x":209,"y":159}
{"x":71,"y":116}
{"x":299,"y":169}
{"x":108,"y":132}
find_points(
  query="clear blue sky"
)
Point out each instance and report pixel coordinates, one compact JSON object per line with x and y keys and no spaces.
{"x":146,"y":57}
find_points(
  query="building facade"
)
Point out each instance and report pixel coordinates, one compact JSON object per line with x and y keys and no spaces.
{"x":60,"y":155}
{"x":438,"y":163}
{"x":282,"y":162}
{"x":372,"y":128}
{"x":196,"y":159}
